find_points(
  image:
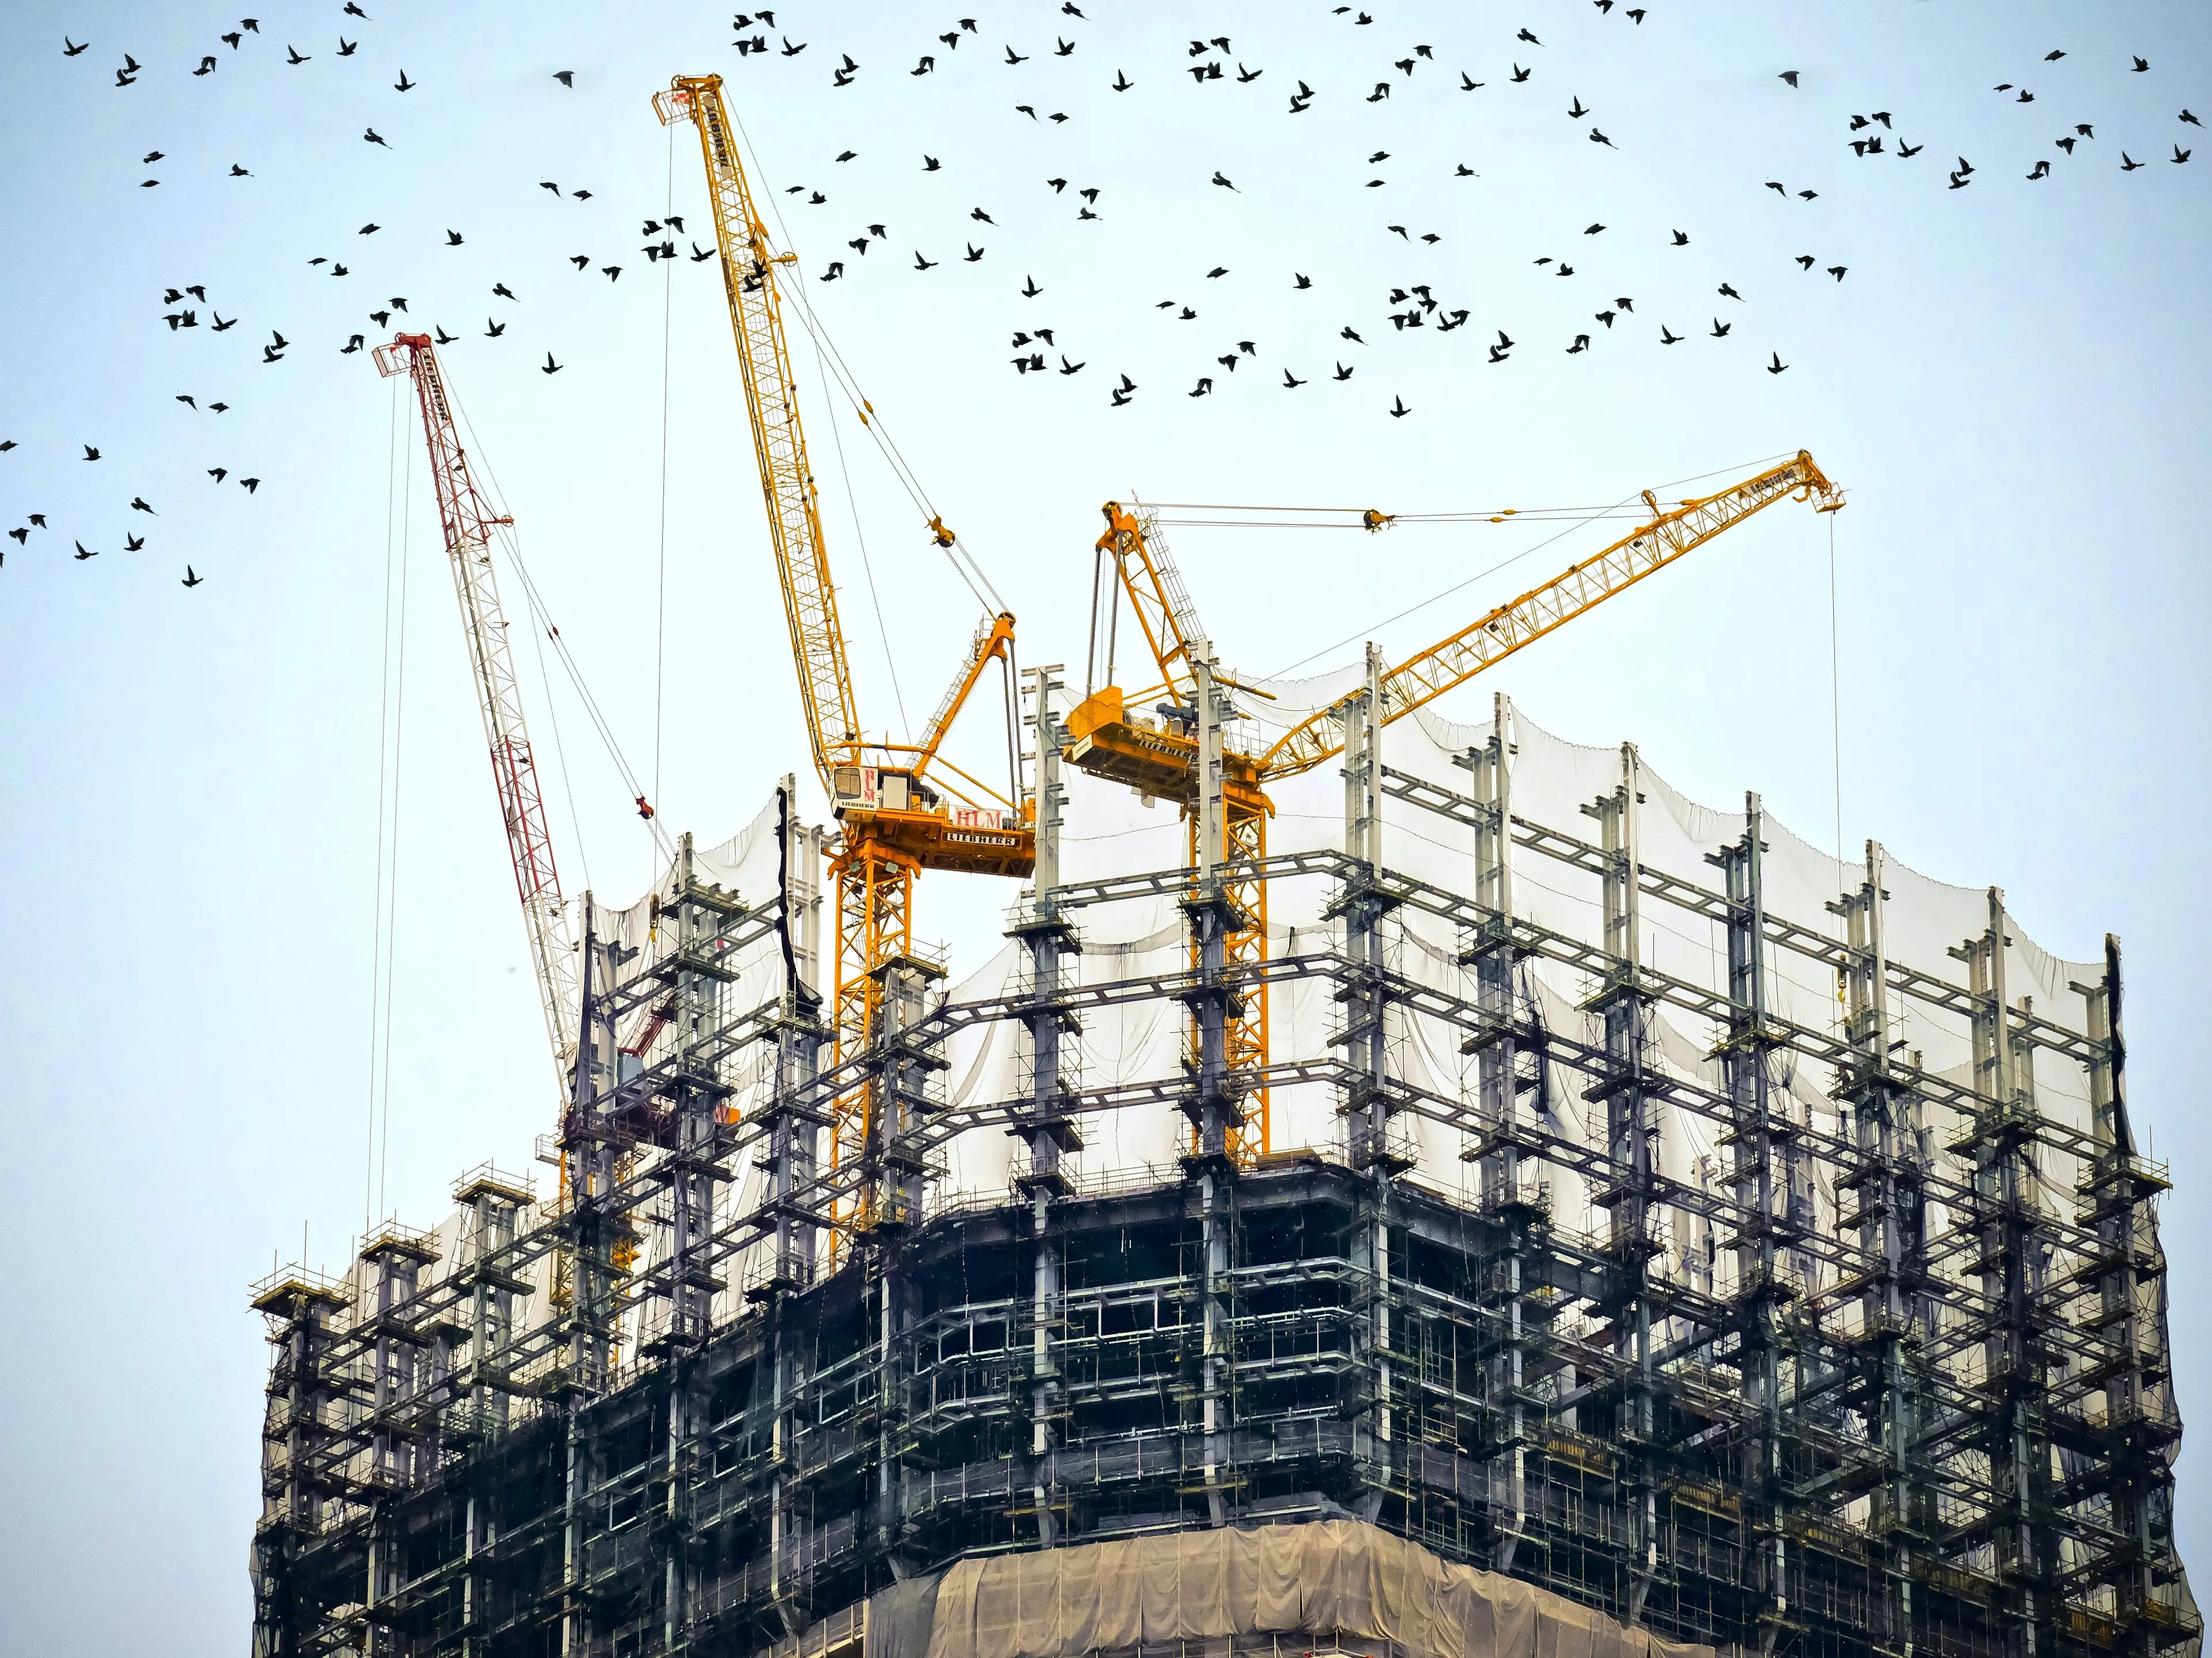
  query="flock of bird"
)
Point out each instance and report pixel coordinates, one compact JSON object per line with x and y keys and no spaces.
{"x":1039,"y":350}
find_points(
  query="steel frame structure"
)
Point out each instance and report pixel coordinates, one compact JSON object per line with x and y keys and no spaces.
{"x":1713,"y":1408}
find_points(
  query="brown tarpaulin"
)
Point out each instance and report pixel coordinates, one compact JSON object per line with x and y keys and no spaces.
{"x":1326,"y":1577}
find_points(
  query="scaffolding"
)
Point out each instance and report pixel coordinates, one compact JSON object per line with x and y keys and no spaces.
{"x":1690,"y":1226}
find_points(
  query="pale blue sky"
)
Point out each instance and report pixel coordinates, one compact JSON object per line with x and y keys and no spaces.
{"x":2010,"y":381}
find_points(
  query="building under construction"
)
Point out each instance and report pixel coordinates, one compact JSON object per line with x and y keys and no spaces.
{"x":1402,"y":1187}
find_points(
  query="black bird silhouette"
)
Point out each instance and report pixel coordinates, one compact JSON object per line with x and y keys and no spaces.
{"x":1024,"y":109}
{"x":252,"y":486}
{"x":1013,"y":58}
{"x":21,"y":534}
{"x":1219,"y":180}
{"x":494,"y":330}
{"x":1720,"y":329}
{"x":84,"y":552}
{"x":1068,"y":368}
{"x":1520,"y":74}
{"x":2191,"y":119}
{"x":295,"y":55}
{"x":1576,"y":110}
{"x":1347,"y":334}
{"x":133,"y":544}
{"x":91,"y":453}
{"x":218,"y":473}
{"x":551,"y":367}
{"x":1217,"y":270}
{"x":1122,"y":83}
{"x":186,"y":397}
{"x":1301,"y":280}
{"x":1530,"y":39}
{"x":1581,"y":344}
{"x":1625,"y":304}
{"x":191,"y":579}
{"x":567,"y":77}
{"x":1666,"y":336}
{"x":1204,"y":385}
{"x":1805,"y":259}
{"x":369,"y":229}
{"x":920,"y":264}
{"x":346,"y":48}
{"x":1837,"y":271}
{"x":1290,"y":382}
{"x":611,"y":272}
{"x":2181,"y":154}
{"x":581,"y":261}
{"x":139,"y":505}
{"x":2141,"y":65}
{"x":1777,"y":365}
{"x":1778,"y":187}
{"x":2129,"y":164}
{"x":151,"y":157}
{"x":930,"y":164}
{"x":70,"y":48}
{"x":442,"y":337}
{"x":973,"y":254}
{"x":501,"y":290}
{"x":982,"y":217}
{"x":1789,"y":75}
{"x":1726,"y":292}
{"x":207,"y":67}
{"x":2052,"y":57}
{"x":1064,"y":49}
{"x":370,"y":137}
{"x":1398,"y":409}
{"x":1245,"y":77}
{"x":1597,"y":137}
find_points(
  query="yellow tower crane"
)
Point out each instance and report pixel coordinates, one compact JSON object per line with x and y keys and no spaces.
{"x":899,"y":812}
{"x":1158,"y":757}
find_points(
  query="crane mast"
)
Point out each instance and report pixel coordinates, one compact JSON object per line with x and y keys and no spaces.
{"x":468,"y":522}
{"x":1159,"y":758}
{"x":897,"y":817}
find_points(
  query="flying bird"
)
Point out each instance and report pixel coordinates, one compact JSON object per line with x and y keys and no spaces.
{"x":1720,"y":329}
{"x":1789,"y":75}
{"x":252,"y":486}
{"x":1777,"y":365}
{"x":920,"y":264}
{"x":91,"y":453}
{"x":494,"y":330}
{"x":1290,"y":382}
{"x":70,"y":48}
{"x":1667,"y":337}
{"x":501,"y":290}
{"x":1727,"y":292}
{"x":1219,"y":180}
{"x":567,"y":77}
{"x":84,"y":552}
{"x":191,"y":579}
{"x":551,"y":367}
{"x":370,"y":137}
{"x":139,"y":505}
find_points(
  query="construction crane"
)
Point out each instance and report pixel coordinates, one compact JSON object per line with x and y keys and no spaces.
{"x":1158,"y":757}
{"x":469,"y":522}
{"x":903,"y":808}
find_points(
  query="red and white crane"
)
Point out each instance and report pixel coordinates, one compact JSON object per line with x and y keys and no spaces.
{"x":469,"y":522}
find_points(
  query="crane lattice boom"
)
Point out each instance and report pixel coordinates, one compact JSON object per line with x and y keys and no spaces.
{"x":809,"y":598}
{"x":468,"y":521}
{"x":1428,"y":675}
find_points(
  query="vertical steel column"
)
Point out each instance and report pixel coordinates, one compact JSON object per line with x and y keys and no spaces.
{"x":1886,"y":1176}
{"x":1754,"y":1137}
{"x":1368,"y":1106}
{"x":2008,"y":1221}
{"x":2120,"y":1193}
{"x":1510,"y":1194}
{"x":1045,"y":1128}
{"x":1625,"y":1007}
{"x":588,"y":1156}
